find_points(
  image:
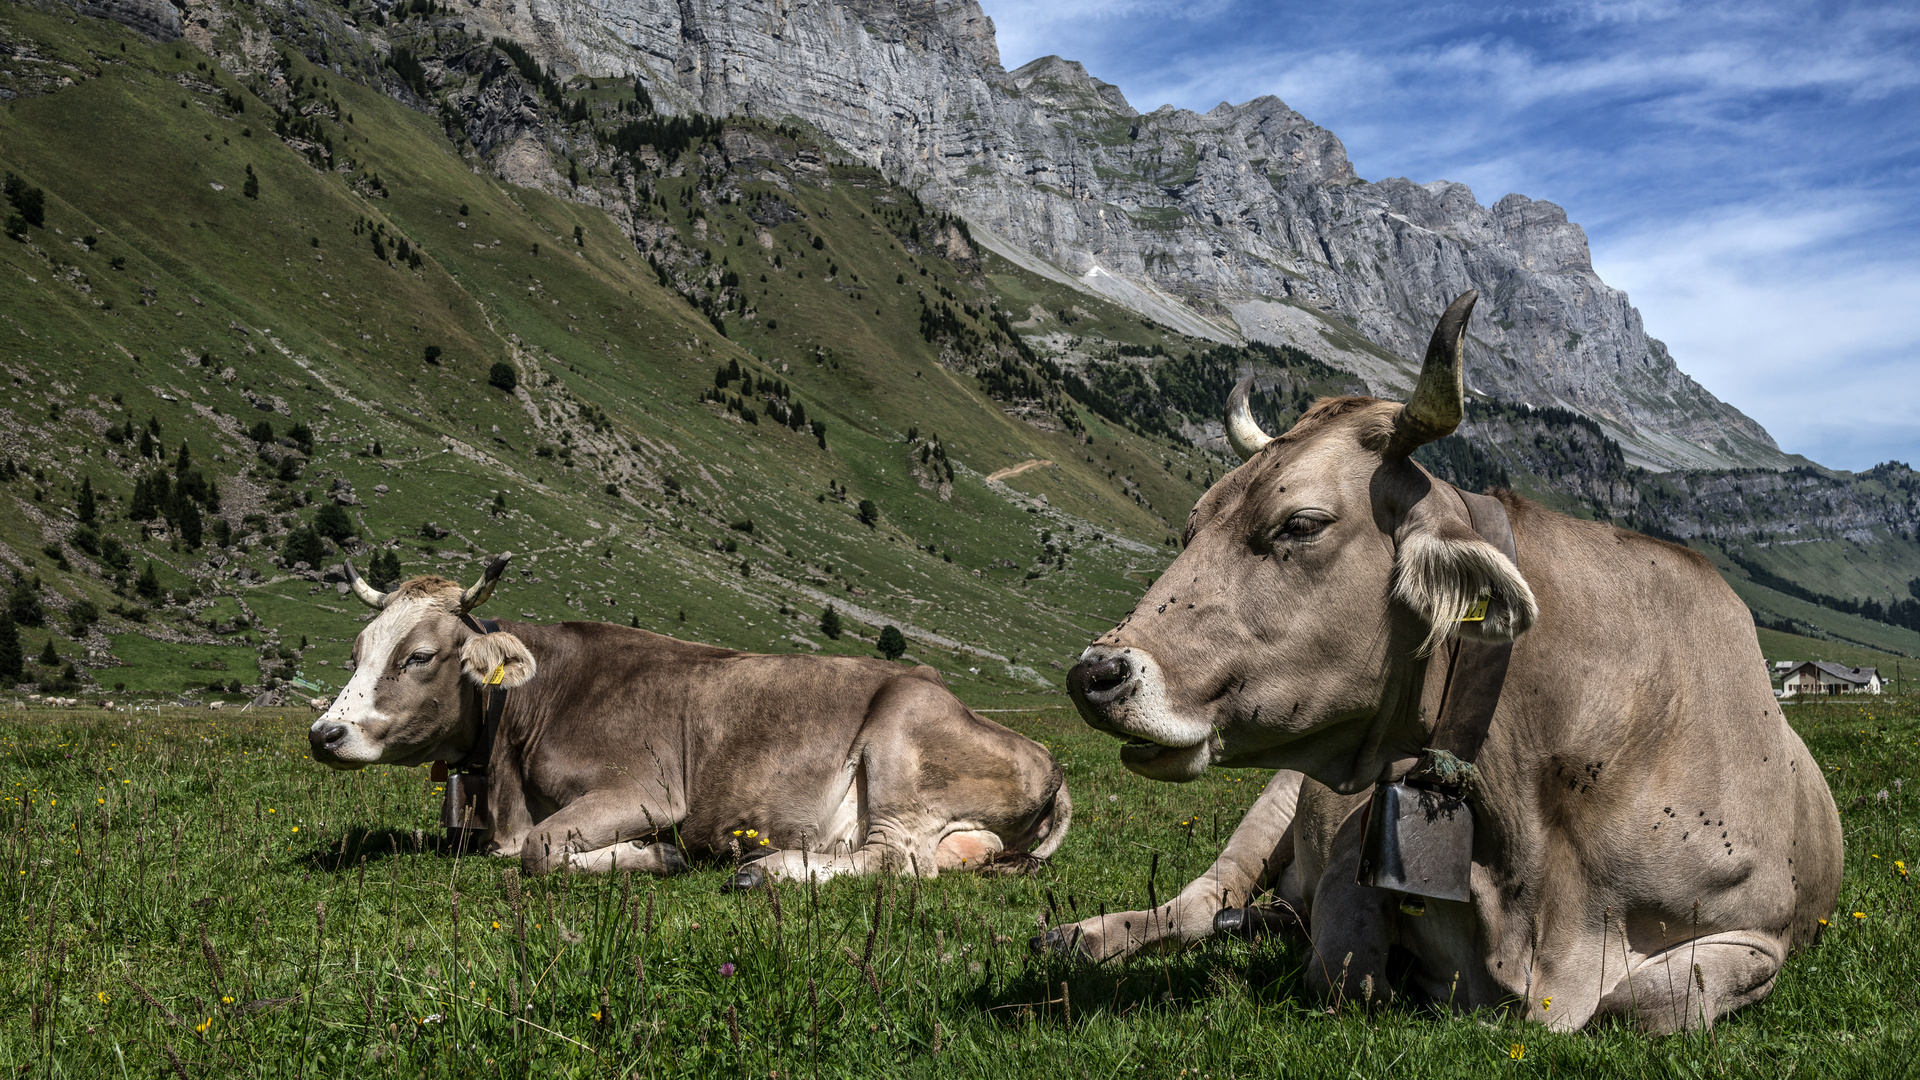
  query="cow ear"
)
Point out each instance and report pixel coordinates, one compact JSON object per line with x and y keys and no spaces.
{"x":1444,"y":573}
{"x":484,"y":655}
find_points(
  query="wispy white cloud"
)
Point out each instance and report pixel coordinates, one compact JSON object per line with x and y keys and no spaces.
{"x":1794,"y":330}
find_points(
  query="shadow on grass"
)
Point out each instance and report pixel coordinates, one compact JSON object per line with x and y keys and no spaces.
{"x":1271,"y":969}
{"x":346,"y":850}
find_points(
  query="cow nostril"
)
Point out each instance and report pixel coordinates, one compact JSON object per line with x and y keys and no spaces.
{"x":1102,"y":676}
{"x":333,"y":735}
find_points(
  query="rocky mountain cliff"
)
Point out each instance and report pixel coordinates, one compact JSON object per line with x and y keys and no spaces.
{"x":1247,"y":220}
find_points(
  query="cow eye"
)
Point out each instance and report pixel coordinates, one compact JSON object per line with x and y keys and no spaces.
{"x":420,"y":657}
{"x":1303,"y":526}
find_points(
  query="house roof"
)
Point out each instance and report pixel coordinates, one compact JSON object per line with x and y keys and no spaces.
{"x":1857,"y":676}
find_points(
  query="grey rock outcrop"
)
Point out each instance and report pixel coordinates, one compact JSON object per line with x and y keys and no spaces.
{"x":1247,"y":220}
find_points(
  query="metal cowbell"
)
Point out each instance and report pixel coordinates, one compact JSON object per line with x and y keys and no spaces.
{"x":1418,"y":841}
{"x":464,"y":810}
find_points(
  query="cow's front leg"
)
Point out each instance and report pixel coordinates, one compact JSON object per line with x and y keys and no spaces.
{"x":1351,"y":927}
{"x":1254,"y":858}
{"x":590,"y":833}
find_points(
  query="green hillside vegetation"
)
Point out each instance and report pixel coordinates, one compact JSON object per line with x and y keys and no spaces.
{"x":330,"y":340}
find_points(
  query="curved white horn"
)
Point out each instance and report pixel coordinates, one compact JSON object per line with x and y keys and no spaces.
{"x":368,"y":595}
{"x":478,"y":592}
{"x":1243,"y":431}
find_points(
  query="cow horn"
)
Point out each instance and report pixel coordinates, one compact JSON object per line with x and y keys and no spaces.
{"x":1243,"y":431}
{"x":478,"y":592}
{"x":368,"y":595}
{"x":1435,"y":409}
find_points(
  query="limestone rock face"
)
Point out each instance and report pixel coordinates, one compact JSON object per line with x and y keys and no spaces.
{"x":1246,"y":220}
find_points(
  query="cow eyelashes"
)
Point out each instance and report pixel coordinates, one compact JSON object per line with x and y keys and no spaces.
{"x":421,"y":657}
{"x":1303,"y":526}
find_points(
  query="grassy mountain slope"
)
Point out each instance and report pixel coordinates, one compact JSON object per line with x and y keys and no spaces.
{"x":200,"y":310}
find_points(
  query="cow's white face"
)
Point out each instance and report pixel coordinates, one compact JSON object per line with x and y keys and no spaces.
{"x":1312,"y":577}
{"x":406,"y":703}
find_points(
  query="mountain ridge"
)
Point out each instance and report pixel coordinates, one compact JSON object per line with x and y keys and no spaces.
{"x":1251,"y":214}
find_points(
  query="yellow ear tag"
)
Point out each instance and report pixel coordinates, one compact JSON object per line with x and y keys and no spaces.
{"x":1478,"y":612}
{"x":500,"y":671}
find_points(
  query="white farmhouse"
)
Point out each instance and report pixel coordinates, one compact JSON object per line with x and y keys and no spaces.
{"x":1821,"y":677}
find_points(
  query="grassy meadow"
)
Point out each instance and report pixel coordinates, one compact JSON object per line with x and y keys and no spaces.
{"x":188,"y":896}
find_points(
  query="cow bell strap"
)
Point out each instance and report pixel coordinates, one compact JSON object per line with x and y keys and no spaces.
{"x":496,"y":705}
{"x":1476,"y":673}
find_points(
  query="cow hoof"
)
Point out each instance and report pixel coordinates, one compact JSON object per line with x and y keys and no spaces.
{"x":1257,"y":922}
{"x":747,"y":879}
{"x":1059,"y":942}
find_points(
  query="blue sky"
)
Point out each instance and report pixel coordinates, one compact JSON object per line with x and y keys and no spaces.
{"x":1749,"y":173}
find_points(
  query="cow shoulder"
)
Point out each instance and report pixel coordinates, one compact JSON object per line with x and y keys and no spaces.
{"x":929,"y":674}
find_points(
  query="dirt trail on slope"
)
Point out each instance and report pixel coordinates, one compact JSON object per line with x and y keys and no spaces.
{"x":1016,"y":470}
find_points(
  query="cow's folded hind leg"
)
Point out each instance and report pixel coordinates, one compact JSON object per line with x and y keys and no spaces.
{"x":1695,"y":983}
{"x":660,"y":859}
{"x":792,"y":864}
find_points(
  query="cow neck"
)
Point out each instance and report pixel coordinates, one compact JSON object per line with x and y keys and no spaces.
{"x":493,"y":705}
{"x":1476,"y":673}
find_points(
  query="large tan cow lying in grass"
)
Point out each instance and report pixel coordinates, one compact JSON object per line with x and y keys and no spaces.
{"x":618,"y":747}
{"x":1651,"y":839}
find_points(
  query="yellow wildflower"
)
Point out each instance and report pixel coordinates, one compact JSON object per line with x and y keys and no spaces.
{"x":751,"y":833}
{"x":1859,"y":914}
{"x":1516,"y":1051}
{"x":203,"y":1025}
{"x":1546,"y":1003}
{"x":102,"y":995}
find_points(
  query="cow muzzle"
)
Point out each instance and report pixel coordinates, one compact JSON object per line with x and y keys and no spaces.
{"x":335,"y":744}
{"x":1121,"y":691}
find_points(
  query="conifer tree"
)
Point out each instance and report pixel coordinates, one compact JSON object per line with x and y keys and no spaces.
{"x":893,"y":644}
{"x":12,"y":657}
{"x":23,"y":602}
{"x":830,"y":623}
{"x":148,"y":584}
{"x":191,"y":525}
{"x":48,"y":657}
{"x":84,"y":508}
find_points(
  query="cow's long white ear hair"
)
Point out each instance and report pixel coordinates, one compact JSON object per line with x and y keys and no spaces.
{"x":484,"y":654}
{"x":1441,"y":575}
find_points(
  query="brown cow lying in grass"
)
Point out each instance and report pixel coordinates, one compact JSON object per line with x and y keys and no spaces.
{"x":622,"y":748}
{"x":1649,"y":837}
